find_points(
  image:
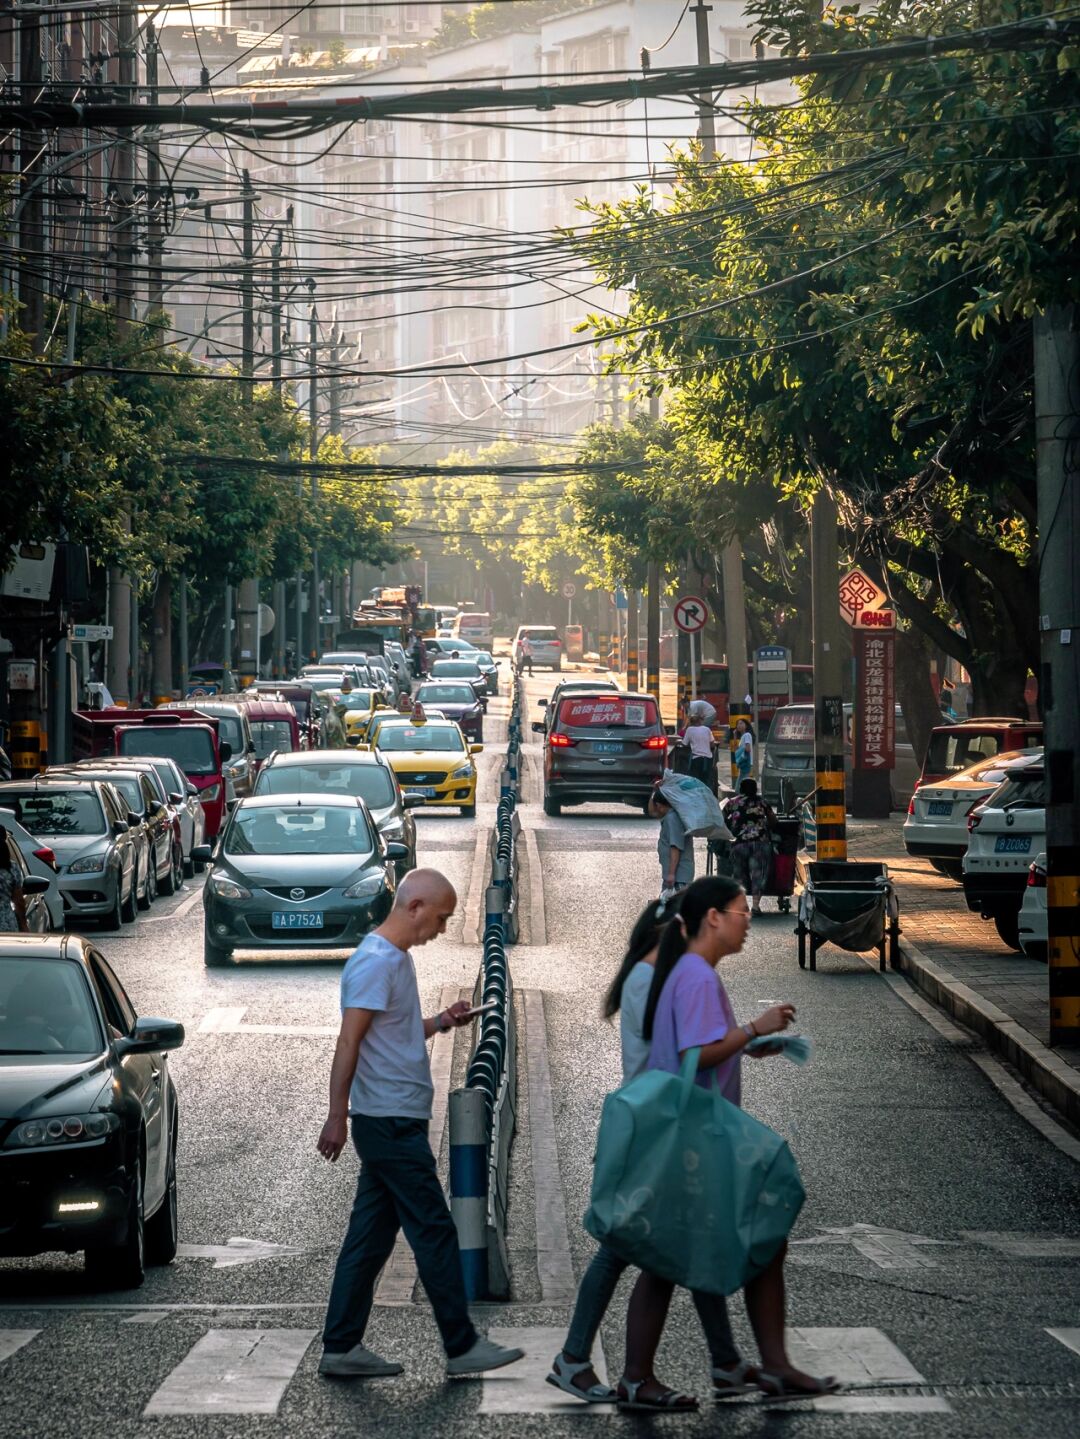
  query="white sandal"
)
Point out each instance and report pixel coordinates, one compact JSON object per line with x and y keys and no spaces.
{"x":563,"y":1373}
{"x":727,"y":1383}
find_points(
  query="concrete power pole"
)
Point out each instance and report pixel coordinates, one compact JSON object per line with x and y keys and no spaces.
{"x":278,"y":667}
{"x":731,"y":560}
{"x":652,"y":602}
{"x":32,"y":153}
{"x":1057,"y":438}
{"x":247,"y":606}
{"x":633,"y":626}
{"x":830,"y":655}
{"x":314,"y":604}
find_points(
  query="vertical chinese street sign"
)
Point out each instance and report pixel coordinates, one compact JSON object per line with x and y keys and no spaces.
{"x":875,"y":692}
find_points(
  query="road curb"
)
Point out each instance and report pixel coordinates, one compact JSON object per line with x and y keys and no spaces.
{"x":1055,"y":1080}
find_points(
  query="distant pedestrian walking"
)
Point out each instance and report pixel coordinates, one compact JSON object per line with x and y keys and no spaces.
{"x":525,"y":654}
{"x":699,"y":736}
{"x":380,"y":1080}
{"x":674,"y":847}
{"x":751,"y":821}
{"x":744,"y":749}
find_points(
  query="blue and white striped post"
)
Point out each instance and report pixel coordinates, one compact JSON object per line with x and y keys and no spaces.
{"x":495,"y":902}
{"x":469,"y":1185}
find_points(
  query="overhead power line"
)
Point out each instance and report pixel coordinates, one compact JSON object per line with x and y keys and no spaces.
{"x":269,"y":118}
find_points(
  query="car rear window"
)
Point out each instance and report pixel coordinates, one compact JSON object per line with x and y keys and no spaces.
{"x":456,"y":667}
{"x":1023,"y":789}
{"x":792,"y":726}
{"x":270,"y":735}
{"x":77,"y":812}
{"x":950,"y":753}
{"x":446,"y":695}
{"x":371,"y":782}
{"x":191,"y":748}
{"x":607,"y":711}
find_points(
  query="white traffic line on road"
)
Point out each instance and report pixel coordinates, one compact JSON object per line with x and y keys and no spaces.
{"x":553,"y":1263}
{"x":235,"y":1252}
{"x":398,"y":1279}
{"x":12,"y":1340}
{"x":233,"y":1371}
{"x":522,"y":1388}
{"x":230,"y":1021}
{"x":183,"y":908}
{"x":866,"y":1359}
{"x":1069,"y":1337}
{"x":887,"y":1248}
{"x":1026,"y":1246}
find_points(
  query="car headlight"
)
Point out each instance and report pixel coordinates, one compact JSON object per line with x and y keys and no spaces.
{"x":226,"y":888}
{"x":366,"y":888}
{"x":465,"y":772}
{"x":211,"y":793}
{"x":61,"y":1129}
{"x":89,"y":864}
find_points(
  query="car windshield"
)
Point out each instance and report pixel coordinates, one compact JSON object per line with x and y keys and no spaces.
{"x":395,"y":738}
{"x":58,"y":812}
{"x":446,"y":695}
{"x":323,"y":683}
{"x":298,"y":829}
{"x":371,"y":782}
{"x":605,"y":711}
{"x":270,"y":735}
{"x":190,"y":746}
{"x":45,"y":1008}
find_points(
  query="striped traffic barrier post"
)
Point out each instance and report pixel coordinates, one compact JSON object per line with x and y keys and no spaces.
{"x":469,"y":1185}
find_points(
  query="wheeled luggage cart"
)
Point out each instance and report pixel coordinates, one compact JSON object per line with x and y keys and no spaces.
{"x":786,"y":836}
{"x":851,"y":904}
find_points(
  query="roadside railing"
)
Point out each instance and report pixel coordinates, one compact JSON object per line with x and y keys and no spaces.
{"x":483,"y":1114}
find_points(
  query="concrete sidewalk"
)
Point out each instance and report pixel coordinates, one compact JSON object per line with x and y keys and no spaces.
{"x":959,"y":962}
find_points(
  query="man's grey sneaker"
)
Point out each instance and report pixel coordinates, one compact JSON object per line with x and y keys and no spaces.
{"x":357,"y":1363}
{"x":483,"y":1355}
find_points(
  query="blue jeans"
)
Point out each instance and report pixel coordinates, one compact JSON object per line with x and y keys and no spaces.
{"x":398,"y":1189}
{"x":594,"y":1295}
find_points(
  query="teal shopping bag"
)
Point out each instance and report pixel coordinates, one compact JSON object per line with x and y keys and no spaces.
{"x":688,"y":1186}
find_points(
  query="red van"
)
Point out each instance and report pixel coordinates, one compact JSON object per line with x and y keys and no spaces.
{"x":274,"y":726}
{"x":186,"y":736}
{"x":954,"y":747}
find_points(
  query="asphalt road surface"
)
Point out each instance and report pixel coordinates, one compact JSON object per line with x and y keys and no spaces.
{"x":935,"y":1266}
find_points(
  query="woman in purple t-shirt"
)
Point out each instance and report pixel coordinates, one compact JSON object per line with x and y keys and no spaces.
{"x":689,"y":1008}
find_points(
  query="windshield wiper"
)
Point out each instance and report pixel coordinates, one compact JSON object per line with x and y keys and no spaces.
{"x":22,"y":1051}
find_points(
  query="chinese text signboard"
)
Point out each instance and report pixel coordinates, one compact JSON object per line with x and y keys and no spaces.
{"x":875,"y":700}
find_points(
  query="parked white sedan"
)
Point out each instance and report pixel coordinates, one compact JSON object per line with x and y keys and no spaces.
{"x":1003,"y":835}
{"x":937,"y":824}
{"x":1033,"y":929}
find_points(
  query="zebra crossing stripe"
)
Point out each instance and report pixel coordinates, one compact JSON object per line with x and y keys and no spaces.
{"x":1069,"y":1337}
{"x":862,"y":1358}
{"x":522,"y":1388}
{"x":233,"y":1371}
{"x":12,"y":1340}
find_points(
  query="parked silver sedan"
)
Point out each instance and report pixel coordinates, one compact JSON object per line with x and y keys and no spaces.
{"x":85,"y":823}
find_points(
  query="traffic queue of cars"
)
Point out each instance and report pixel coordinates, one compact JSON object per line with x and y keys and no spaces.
{"x":306,"y":844}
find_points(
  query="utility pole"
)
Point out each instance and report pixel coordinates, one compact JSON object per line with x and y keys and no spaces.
{"x":248,"y":590}
{"x":32,"y":146}
{"x":314,"y":605}
{"x":1057,"y":458}
{"x":652,"y":612}
{"x":830,"y":657}
{"x":633,"y":625}
{"x":155,"y":228}
{"x":731,"y":560}
{"x":278,"y":666}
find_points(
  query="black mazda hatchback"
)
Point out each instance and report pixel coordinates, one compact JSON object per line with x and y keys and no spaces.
{"x":88,"y":1113}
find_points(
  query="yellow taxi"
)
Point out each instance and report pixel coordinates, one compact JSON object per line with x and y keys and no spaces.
{"x":356,"y":709}
{"x":433,"y":759}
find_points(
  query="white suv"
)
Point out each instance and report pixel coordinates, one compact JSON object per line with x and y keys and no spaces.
{"x":546,"y":646}
{"x":1004,"y":834}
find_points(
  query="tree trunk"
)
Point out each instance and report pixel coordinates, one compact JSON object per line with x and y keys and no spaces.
{"x":914,"y":690}
{"x":161,"y":641}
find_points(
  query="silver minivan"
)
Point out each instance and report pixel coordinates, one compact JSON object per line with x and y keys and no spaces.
{"x":788,"y":753}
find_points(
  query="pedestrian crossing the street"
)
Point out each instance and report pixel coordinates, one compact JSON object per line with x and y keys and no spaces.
{"x":249,"y":1371}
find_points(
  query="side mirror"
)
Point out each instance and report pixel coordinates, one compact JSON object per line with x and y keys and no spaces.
{"x":149,"y":1035}
{"x":226,"y":751}
{"x":476,"y":749}
{"x":202,"y":854}
{"x":177,"y":798}
{"x":397,"y":851}
{"x":120,"y":826}
{"x":250,"y":749}
{"x":133,"y":819}
{"x":412,"y":801}
{"x":35,"y":884}
{"x":542,"y":704}
{"x":538,"y":727}
{"x":191,"y":789}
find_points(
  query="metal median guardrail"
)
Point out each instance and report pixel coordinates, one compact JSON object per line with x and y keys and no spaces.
{"x":483,"y":1113}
